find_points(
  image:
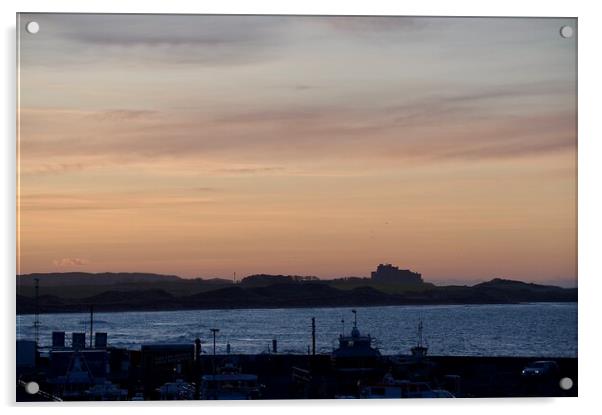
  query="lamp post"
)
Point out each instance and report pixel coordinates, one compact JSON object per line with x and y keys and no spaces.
{"x":214,"y":331}
{"x":313,"y":336}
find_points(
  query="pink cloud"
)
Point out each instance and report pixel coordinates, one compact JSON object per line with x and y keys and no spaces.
{"x":70,"y":262}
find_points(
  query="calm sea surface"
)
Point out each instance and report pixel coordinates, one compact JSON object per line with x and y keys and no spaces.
{"x":542,"y":329}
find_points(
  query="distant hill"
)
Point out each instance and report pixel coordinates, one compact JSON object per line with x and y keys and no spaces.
{"x":86,"y":278}
{"x":262,"y":280}
{"x":288,"y":294}
{"x":522,"y":291}
{"x":82,"y":284}
{"x":501,"y":283}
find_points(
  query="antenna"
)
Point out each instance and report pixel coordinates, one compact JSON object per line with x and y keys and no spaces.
{"x":36,"y":321}
{"x":420,"y":336}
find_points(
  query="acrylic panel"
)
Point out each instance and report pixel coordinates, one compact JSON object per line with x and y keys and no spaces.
{"x":295,"y":207}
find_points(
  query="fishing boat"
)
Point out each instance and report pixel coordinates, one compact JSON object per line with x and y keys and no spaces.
{"x":391,"y":388}
{"x":176,"y":391}
{"x":420,"y":350}
{"x":355,"y":345}
{"x":228,"y":383}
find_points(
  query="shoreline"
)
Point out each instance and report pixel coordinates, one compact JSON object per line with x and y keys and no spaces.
{"x":323,"y":354}
{"x":85,"y":308}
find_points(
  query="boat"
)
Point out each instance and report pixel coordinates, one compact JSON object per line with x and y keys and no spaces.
{"x":356,"y":359}
{"x":106,"y":391}
{"x":416,"y":366}
{"x":138,"y":396}
{"x":176,"y":391}
{"x":355,"y":345}
{"x":420,"y":350}
{"x":391,"y":388}
{"x":228,"y":383}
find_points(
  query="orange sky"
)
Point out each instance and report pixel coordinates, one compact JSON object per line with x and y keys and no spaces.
{"x":298,"y":145}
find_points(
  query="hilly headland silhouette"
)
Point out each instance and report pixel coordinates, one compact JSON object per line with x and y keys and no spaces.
{"x":388,"y":285}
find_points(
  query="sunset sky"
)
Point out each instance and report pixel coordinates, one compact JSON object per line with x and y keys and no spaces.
{"x":208,"y":145}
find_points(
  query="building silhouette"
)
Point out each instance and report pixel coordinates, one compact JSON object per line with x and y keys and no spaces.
{"x":391,"y":274}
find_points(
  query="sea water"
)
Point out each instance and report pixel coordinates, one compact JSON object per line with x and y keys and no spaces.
{"x":533,"y":329}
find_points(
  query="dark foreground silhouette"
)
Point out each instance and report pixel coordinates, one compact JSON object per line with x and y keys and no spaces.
{"x":285,"y":376}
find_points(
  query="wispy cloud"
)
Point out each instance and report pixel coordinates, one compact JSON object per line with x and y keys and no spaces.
{"x":123,"y":114}
{"x":110,"y":201}
{"x":375,"y":25}
{"x":205,"y":189}
{"x":250,"y":170}
{"x":168,"y":39}
{"x":425,"y":132}
{"x":70,"y":262}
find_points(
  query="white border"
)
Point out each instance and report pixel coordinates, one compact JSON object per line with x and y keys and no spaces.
{"x":590,"y":199}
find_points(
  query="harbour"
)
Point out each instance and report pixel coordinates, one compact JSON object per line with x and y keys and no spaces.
{"x":85,"y":366}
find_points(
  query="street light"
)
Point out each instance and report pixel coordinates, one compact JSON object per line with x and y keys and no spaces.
{"x":214,"y":331}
